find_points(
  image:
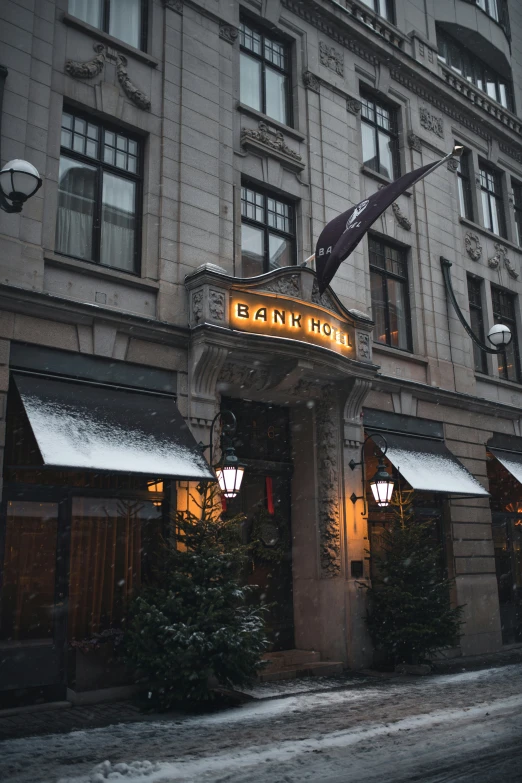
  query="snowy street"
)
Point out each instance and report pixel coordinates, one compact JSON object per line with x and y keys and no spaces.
{"x":456,"y":727}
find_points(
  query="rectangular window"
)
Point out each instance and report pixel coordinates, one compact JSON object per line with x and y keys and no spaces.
{"x":476,"y":318}
{"x":124,"y":19}
{"x":267,"y":232}
{"x":98,"y":194}
{"x":464,"y":185}
{"x":389,"y":290}
{"x":379,"y":137}
{"x":264,"y":73}
{"x":517,"y":206}
{"x":382,"y":7}
{"x":504,"y":313}
{"x":492,"y":204}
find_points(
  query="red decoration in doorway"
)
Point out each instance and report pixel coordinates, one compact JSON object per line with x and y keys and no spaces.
{"x":269,"y":495}
{"x":223,"y":503}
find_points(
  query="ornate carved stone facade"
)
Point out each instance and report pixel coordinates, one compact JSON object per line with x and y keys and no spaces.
{"x":289,"y":286}
{"x":414,"y":142}
{"x":311,"y":82}
{"x":431,"y":122}
{"x":501,"y":257}
{"x":331,"y":58}
{"x":88,"y":69}
{"x":473,"y":246}
{"x":271,"y":139}
{"x":327,"y":417}
{"x":353,"y":105}
{"x":131,"y":91}
{"x":228,"y":33}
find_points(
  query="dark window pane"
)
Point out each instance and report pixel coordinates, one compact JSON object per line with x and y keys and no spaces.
{"x":250,"y":39}
{"x":378,"y":308}
{"x":397,"y":313}
{"x":252,"y":250}
{"x":76,"y":195}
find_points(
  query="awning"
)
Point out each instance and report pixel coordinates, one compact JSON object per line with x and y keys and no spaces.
{"x":430,"y":466}
{"x":511,"y":461}
{"x":78,"y":425}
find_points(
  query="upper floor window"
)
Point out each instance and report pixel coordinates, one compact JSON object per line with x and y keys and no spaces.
{"x":389,"y":290}
{"x":267,"y":232}
{"x":517,"y":206}
{"x":124,"y":19}
{"x":492,"y":203}
{"x":476,"y":317}
{"x":379,"y":137}
{"x":98,"y":191}
{"x":463,"y":62}
{"x":464,"y":184}
{"x":264,"y":73}
{"x":504,"y":313}
{"x":382,"y":7}
{"x":497,"y":10}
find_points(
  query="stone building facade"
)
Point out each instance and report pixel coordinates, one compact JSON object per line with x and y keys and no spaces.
{"x":191,"y":153}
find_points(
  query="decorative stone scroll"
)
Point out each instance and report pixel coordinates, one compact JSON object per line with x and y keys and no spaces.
{"x":273,"y":140}
{"x":131,"y":91}
{"x":401,"y":219}
{"x":331,"y":58}
{"x":353,"y":105}
{"x":473,"y":246}
{"x":88,"y":69}
{"x":431,"y":122}
{"x":228,"y":33}
{"x":414,"y":142}
{"x":452,"y":164}
{"x":327,"y":421}
{"x":501,"y":257}
{"x":310,"y":81}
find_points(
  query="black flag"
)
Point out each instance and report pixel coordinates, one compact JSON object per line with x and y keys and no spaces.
{"x":341,"y":235}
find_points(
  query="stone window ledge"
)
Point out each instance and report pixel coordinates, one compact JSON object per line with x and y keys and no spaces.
{"x":258,"y":115}
{"x":381,"y":178}
{"x":485,"y":232}
{"x":399,"y":353}
{"x":110,"y":40}
{"x":494,"y":380}
{"x":96,"y":270}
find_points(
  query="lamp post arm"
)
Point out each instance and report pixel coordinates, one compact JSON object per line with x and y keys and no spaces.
{"x":353,"y":465}
{"x":446,"y":265}
{"x":226,"y":428}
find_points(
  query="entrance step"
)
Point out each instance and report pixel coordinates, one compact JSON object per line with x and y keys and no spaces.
{"x":290,"y":664}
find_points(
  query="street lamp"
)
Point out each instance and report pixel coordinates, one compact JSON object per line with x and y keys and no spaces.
{"x":19,"y":180}
{"x":382,"y":484}
{"x":500,"y":336}
{"x":229,"y":472}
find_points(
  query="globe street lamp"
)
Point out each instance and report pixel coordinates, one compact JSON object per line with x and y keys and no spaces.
{"x":500,"y":336}
{"x":19,"y":180}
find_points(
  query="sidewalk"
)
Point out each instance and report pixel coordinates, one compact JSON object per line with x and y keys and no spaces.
{"x":62,"y":717}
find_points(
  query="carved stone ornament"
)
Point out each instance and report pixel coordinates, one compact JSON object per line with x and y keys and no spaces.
{"x":353,"y":105}
{"x":452,"y":164}
{"x":243,"y":377}
{"x":310,"y":81}
{"x":174,"y":5}
{"x":197,"y":306}
{"x":414,"y":142}
{"x":331,"y":58}
{"x":401,"y":219}
{"x":325,"y":300}
{"x":364,"y":349}
{"x":431,"y":122}
{"x":274,"y":140}
{"x":288,"y":286}
{"x":501,"y":257}
{"x":216,"y":305}
{"x":228,"y":33}
{"x":327,"y":421}
{"x":89,"y":69}
{"x":130,"y":89}
{"x":473,"y":246}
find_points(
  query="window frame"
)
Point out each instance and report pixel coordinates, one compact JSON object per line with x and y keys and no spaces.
{"x":464,"y":186}
{"x":263,"y":60}
{"x":494,"y":194}
{"x":511,"y":321}
{"x":404,"y":280}
{"x":376,"y":128}
{"x":105,"y":23}
{"x":517,"y":210}
{"x":102,"y":166}
{"x":390,"y":9}
{"x":266,"y":228}
{"x":476,"y":305}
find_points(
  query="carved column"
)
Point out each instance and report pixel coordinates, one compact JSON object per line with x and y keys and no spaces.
{"x":327,"y":418}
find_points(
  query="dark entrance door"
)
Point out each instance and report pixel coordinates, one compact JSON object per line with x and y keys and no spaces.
{"x":263,"y":444}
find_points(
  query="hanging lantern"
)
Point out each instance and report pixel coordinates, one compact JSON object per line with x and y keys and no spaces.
{"x":229,"y":473}
{"x":382,"y":485}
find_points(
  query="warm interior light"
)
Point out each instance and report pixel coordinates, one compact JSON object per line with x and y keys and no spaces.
{"x":382,"y":485}
{"x":155,"y":486}
{"x":229,"y":478}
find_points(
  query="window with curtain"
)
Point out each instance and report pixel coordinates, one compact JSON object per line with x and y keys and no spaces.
{"x":382,"y":7}
{"x":267,"y":232}
{"x":97,"y":218}
{"x":124,"y":19}
{"x":492,"y":202}
{"x":264,"y":73}
{"x":504,"y":313}
{"x":461,"y":60}
{"x":476,"y":317}
{"x":464,"y":185}
{"x":389,"y":292}
{"x":517,"y":207}
{"x":379,"y":137}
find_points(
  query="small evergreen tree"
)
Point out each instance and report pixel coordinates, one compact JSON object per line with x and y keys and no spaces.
{"x":193,"y":625}
{"x":410,"y":615}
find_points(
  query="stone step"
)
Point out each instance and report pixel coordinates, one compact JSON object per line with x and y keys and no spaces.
{"x":312,"y":669}
{"x":278,"y":660}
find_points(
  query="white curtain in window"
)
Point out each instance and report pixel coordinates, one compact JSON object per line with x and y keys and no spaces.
{"x":125,"y":21}
{"x":118,"y":221}
{"x":75,"y":209}
{"x":89,"y":11}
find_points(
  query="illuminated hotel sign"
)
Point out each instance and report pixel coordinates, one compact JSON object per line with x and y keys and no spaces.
{"x":278,"y":316}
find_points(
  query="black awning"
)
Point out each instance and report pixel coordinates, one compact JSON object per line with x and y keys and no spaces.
{"x":81,"y":426}
{"x":511,"y":460}
{"x":430,"y":466}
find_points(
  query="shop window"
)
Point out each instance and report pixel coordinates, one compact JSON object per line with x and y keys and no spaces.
{"x":476,"y":317}
{"x":517,"y":207}
{"x":264,"y":73}
{"x":379,"y":137}
{"x":504,"y":313}
{"x":124,"y":19}
{"x":98,"y":194}
{"x":464,"y":185}
{"x":267,"y":232}
{"x":492,"y":202}
{"x":389,"y":291}
{"x":474,"y":70}
{"x":382,"y":7}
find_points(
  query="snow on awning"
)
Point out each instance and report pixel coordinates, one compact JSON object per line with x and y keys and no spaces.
{"x":77,"y":425}
{"x":511,"y":461}
{"x":430,"y":466}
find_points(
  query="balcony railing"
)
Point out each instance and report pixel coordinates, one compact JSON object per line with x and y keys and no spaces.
{"x":377,"y":23}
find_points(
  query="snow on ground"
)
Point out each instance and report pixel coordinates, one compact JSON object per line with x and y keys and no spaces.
{"x":312,"y":736}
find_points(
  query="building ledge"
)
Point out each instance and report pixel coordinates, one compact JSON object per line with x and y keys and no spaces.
{"x":378,"y":24}
{"x":487,"y":233}
{"x":96,"y":270}
{"x":110,"y":40}
{"x":397,"y":353}
{"x":258,"y":115}
{"x":494,"y":380}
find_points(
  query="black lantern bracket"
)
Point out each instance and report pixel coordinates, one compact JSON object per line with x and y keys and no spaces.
{"x":228,"y":428}
{"x":352,"y":464}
